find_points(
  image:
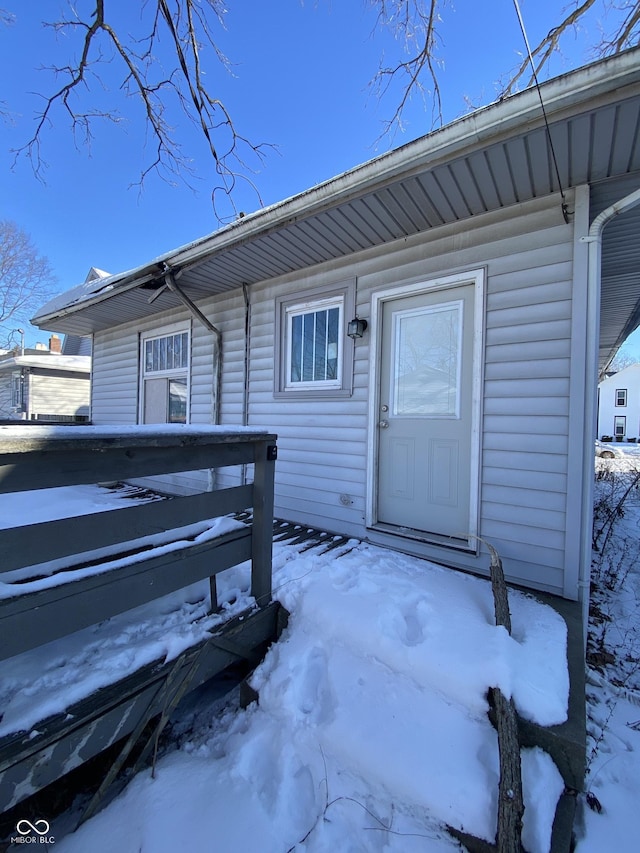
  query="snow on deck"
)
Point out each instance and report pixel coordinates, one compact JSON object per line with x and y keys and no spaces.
{"x":373,"y":702}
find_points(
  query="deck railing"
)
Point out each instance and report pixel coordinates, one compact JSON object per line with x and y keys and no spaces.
{"x":54,"y":579}
{"x":35,"y":610}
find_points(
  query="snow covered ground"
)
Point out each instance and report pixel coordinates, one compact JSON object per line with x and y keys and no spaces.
{"x":371,"y":733}
{"x":613,"y":658}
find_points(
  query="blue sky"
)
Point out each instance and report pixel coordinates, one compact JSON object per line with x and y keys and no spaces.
{"x":300,"y":82}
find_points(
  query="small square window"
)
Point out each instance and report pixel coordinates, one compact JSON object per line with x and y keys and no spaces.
{"x":621,"y":397}
{"x":314,"y":344}
{"x":314,"y":357}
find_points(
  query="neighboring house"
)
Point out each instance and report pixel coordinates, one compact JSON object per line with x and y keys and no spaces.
{"x":421,"y":332}
{"x":619,"y":404}
{"x":45,"y":385}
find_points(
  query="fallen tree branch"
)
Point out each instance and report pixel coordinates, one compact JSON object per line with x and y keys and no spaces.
{"x":505,"y":718}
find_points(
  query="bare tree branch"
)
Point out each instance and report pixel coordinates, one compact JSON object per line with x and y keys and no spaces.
{"x":545,"y":49}
{"x":189,"y":27}
{"x":7,"y":18}
{"x":414,"y":22}
{"x":185,"y":30}
{"x":26,"y":279}
{"x":625,"y":33}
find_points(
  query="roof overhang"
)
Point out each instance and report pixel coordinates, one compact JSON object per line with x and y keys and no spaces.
{"x":66,"y":363}
{"x":490,"y":159}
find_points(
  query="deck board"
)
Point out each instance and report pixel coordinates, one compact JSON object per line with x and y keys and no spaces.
{"x":64,"y":741}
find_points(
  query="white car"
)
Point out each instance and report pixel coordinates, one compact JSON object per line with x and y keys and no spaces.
{"x":606,"y":450}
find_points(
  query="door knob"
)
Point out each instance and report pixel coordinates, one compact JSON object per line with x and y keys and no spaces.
{"x":384,"y":424}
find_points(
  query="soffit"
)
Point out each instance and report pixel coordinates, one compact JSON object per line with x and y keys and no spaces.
{"x":620,"y":294}
{"x":597,"y":144}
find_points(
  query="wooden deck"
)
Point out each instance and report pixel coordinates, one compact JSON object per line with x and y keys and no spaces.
{"x":39,"y":605}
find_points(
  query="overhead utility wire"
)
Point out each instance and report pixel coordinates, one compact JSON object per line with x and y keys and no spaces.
{"x":565,"y":211}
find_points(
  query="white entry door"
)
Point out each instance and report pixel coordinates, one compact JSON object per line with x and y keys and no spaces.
{"x":426,"y":463}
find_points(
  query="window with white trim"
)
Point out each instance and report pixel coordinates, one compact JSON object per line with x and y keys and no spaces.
{"x":165,"y":362}
{"x":621,"y":396}
{"x":620,"y":426}
{"x":16,"y":389}
{"x":314,"y":357}
{"x":314,"y":344}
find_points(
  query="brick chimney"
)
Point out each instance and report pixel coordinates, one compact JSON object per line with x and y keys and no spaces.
{"x":55,"y":344}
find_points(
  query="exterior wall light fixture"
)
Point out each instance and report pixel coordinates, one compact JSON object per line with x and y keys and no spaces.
{"x":356,"y":328}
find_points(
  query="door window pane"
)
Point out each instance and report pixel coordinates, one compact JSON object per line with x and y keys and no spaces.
{"x":177,"y":401}
{"x":425,"y":377}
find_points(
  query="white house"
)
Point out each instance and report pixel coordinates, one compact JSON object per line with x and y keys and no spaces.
{"x":488,"y":276}
{"x":45,"y":385}
{"x":619,"y":405}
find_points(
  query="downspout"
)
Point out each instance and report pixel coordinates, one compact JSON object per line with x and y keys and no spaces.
{"x":594,"y":274}
{"x":170,"y":282}
{"x":26,"y":392}
{"x":24,"y":398}
{"x":245,"y":370}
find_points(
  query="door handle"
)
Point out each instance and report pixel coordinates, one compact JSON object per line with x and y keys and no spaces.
{"x":383,"y":424}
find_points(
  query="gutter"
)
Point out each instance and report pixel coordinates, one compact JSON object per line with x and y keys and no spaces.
{"x":594,"y":242}
{"x":486,"y":125}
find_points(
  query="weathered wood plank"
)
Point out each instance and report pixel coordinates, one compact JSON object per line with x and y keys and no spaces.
{"x":71,"y":466}
{"x":35,"y":618}
{"x":262,"y":540}
{"x":17,"y":440}
{"x":28,"y":764}
{"x":51,"y":540}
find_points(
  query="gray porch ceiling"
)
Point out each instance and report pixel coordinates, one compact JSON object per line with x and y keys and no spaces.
{"x":486,"y":161}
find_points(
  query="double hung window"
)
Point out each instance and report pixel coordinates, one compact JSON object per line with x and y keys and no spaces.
{"x":620,"y":426}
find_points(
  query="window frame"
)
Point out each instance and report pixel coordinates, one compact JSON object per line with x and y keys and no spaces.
{"x":623,"y":392}
{"x":622,"y":419}
{"x":17,"y":389}
{"x":341,"y":295}
{"x":174,"y":373}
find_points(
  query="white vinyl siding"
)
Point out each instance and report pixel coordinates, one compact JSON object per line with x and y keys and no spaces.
{"x":115,"y":392}
{"x":527,"y":254}
{"x":609,"y":394}
{"x":7,"y":393}
{"x":52,"y":394}
{"x":321,"y":470}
